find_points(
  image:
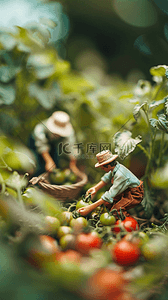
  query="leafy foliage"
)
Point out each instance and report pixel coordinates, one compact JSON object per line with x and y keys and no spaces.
{"x":125,"y":144}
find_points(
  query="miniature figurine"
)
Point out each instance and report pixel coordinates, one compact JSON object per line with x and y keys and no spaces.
{"x":45,"y":141}
{"x":126,"y":191}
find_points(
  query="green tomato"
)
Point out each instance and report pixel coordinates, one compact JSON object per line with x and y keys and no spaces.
{"x":57,"y":176}
{"x":63,"y":230}
{"x":67,"y":241}
{"x":78,"y":223}
{"x":66,"y":217}
{"x":80,"y":204}
{"x":107,"y":219}
{"x":52,"y":224}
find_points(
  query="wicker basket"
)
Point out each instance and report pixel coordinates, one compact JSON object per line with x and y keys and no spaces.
{"x":61,"y":192}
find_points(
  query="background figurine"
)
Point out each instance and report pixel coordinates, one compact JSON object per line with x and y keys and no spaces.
{"x":46,"y":140}
{"x":126,"y":191}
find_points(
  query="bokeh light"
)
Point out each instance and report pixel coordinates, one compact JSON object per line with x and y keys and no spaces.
{"x":140,"y":13}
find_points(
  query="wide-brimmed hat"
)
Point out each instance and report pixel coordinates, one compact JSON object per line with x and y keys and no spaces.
{"x":59,"y":123}
{"x":104,"y":158}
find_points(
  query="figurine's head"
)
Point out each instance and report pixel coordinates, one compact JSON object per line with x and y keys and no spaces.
{"x":105,"y":158}
{"x":59,"y":123}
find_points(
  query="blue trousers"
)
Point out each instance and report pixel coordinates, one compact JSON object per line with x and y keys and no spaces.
{"x":40,"y":163}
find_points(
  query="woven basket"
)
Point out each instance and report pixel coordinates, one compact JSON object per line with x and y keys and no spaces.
{"x":61,"y":192}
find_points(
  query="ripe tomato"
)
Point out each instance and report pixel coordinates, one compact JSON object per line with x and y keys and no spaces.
{"x":85,"y":242}
{"x":125,"y":253}
{"x":69,"y":256}
{"x":129,"y":224}
{"x":105,"y":284}
{"x":107,"y":219}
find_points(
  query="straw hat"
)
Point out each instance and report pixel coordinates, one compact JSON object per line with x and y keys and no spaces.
{"x":104,"y":158}
{"x":59,"y":123}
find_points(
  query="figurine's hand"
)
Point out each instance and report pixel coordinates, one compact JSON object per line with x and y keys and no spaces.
{"x":91,"y":191}
{"x":50,"y":165}
{"x":84,"y":211}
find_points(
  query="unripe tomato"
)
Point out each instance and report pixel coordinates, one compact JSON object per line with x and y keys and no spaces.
{"x":85,"y":242}
{"x":125,"y":253}
{"x":80,"y":204}
{"x":154,"y":248}
{"x":52,"y":224}
{"x":66,"y":217}
{"x":78,"y":223}
{"x":129,"y":224}
{"x":67,"y":241}
{"x":107,"y":219}
{"x":63,"y":230}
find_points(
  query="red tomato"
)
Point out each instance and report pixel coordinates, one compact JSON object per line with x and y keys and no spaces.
{"x":69,"y":256}
{"x":105,"y":284}
{"x":129,"y":224}
{"x":85,"y":242}
{"x":125,"y":253}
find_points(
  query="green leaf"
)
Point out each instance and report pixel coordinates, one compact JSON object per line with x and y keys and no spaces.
{"x":159,"y":70}
{"x":7,"y":41}
{"x":155,"y":104}
{"x":48,"y":22}
{"x":163,"y":123}
{"x":7,"y":94}
{"x":124,"y":144}
{"x":154,"y":123}
{"x":42,"y":64}
{"x":166,"y":106}
{"x":159,"y":178}
{"x":15,"y":181}
{"x":47,"y":97}
{"x":39,"y":32}
{"x":136,"y":111}
{"x":142,"y":88}
{"x":148,"y":201}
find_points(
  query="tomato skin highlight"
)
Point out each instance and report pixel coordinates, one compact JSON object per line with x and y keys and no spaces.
{"x":85,"y":242}
{"x":125,"y":253}
{"x":129,"y":224}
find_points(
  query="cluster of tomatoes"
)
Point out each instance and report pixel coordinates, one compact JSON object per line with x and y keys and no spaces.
{"x":92,"y":253}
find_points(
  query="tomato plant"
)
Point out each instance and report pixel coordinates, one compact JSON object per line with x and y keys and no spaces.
{"x":85,"y":242}
{"x":107,"y":219}
{"x":129,"y":224}
{"x":125,"y":253}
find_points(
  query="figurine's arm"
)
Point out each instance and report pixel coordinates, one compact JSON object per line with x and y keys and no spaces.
{"x":49,"y":162}
{"x":84,"y":211}
{"x":96,"y":188}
